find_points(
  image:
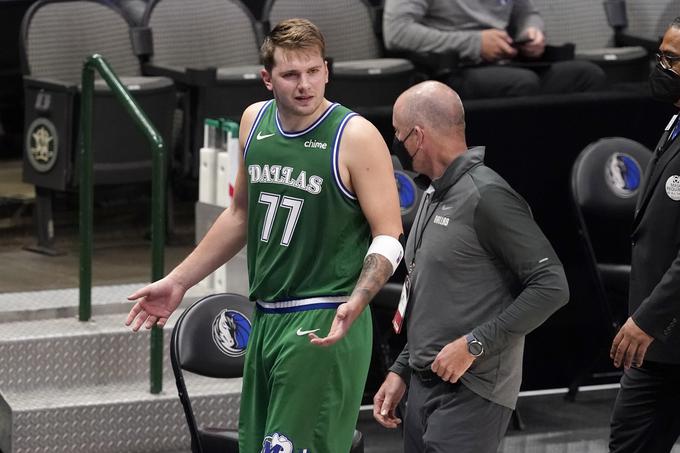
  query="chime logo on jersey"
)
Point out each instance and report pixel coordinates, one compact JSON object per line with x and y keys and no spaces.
{"x":276,"y":174}
{"x":623,"y":174}
{"x":315,"y":144}
{"x":230,"y":332}
{"x":277,"y":443}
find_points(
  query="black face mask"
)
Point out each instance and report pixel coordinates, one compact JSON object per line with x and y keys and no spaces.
{"x":406,"y":161}
{"x":665,"y":85}
{"x":399,"y":150}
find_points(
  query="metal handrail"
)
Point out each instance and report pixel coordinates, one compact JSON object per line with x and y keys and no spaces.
{"x":158,"y":195}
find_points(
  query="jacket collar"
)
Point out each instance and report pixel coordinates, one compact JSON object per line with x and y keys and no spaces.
{"x":462,"y":164}
{"x":652,"y":178}
{"x":663,"y":154}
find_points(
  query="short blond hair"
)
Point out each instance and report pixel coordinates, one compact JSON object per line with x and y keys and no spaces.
{"x":292,"y":34}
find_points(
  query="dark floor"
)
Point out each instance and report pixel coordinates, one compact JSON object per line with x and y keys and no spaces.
{"x":551,"y":425}
{"x":122,"y":255}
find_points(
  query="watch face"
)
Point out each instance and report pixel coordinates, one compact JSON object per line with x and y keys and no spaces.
{"x":475,"y":348}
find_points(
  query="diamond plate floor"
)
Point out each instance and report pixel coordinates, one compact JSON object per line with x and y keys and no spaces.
{"x":71,"y":386}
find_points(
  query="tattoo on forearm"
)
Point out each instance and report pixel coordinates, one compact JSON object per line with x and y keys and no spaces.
{"x":374,"y":274}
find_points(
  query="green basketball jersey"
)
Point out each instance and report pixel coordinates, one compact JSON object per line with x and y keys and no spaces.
{"x":307,"y":235}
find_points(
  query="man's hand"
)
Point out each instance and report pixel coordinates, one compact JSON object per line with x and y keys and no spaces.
{"x":453,"y":360}
{"x":496,"y":45}
{"x":344,"y":317}
{"x":536,"y":45}
{"x":386,"y":400}
{"x":630,"y":345}
{"x":155,"y":303}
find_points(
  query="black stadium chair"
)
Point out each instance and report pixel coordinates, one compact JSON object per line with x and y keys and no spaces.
{"x":361,"y":78}
{"x":647,"y":21}
{"x":209,"y":339}
{"x":605,"y":182}
{"x":586,"y":24}
{"x":56,"y":38}
{"x":210,"y":48}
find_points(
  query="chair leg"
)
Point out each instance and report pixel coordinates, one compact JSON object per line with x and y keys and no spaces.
{"x":44,"y":223}
{"x":602,"y":354}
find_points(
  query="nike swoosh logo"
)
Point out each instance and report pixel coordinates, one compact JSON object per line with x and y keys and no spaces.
{"x":260,"y":136}
{"x":446,"y":208}
{"x":302,"y":333}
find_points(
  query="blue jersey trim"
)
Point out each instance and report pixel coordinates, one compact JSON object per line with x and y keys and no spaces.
{"x":309,"y":128}
{"x":335,"y":170}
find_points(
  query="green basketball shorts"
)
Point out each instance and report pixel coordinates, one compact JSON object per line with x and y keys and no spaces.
{"x":298,"y":397}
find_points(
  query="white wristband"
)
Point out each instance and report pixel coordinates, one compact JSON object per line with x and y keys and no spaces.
{"x":388,"y":247}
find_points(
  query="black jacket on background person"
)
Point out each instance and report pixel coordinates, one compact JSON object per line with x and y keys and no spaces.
{"x":654,"y":298}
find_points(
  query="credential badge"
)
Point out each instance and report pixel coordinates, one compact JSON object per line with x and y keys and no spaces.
{"x":673,"y":187}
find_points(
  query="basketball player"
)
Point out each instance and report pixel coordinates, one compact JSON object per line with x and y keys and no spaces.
{"x":315,"y":184}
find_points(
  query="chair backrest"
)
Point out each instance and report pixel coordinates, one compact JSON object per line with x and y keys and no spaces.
{"x":57,"y":36}
{"x":649,"y":19}
{"x":605,"y":182}
{"x":211,"y":335}
{"x":133,"y":10}
{"x":581,"y":22}
{"x":209,"y":339}
{"x":347,"y":25}
{"x":199,"y":34}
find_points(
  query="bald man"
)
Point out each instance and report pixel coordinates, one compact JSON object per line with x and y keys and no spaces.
{"x":481,"y":275}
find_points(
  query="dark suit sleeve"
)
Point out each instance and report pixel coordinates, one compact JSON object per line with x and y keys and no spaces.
{"x":506,"y":229}
{"x":659,"y":312}
{"x":401,"y":366}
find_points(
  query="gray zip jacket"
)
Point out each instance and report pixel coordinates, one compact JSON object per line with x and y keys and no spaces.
{"x":482,"y":265}
{"x":453,"y":25}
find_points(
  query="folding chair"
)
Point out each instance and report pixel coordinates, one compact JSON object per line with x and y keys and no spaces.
{"x":209,"y":339}
{"x":605,"y":182}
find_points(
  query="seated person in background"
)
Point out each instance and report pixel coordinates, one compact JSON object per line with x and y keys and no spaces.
{"x":486,"y":35}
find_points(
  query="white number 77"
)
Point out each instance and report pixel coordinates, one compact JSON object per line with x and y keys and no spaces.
{"x":294,"y":206}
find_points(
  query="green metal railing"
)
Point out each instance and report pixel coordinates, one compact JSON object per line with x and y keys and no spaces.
{"x":158,"y":195}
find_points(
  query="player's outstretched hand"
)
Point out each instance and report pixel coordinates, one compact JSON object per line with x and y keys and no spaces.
{"x":344,"y":317}
{"x":155,"y":303}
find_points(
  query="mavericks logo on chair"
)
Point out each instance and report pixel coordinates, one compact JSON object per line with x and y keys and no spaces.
{"x":230,"y":331}
{"x":407,"y":191}
{"x":623,"y":174}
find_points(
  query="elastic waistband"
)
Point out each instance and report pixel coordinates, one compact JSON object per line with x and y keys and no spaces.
{"x":294,"y":305}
